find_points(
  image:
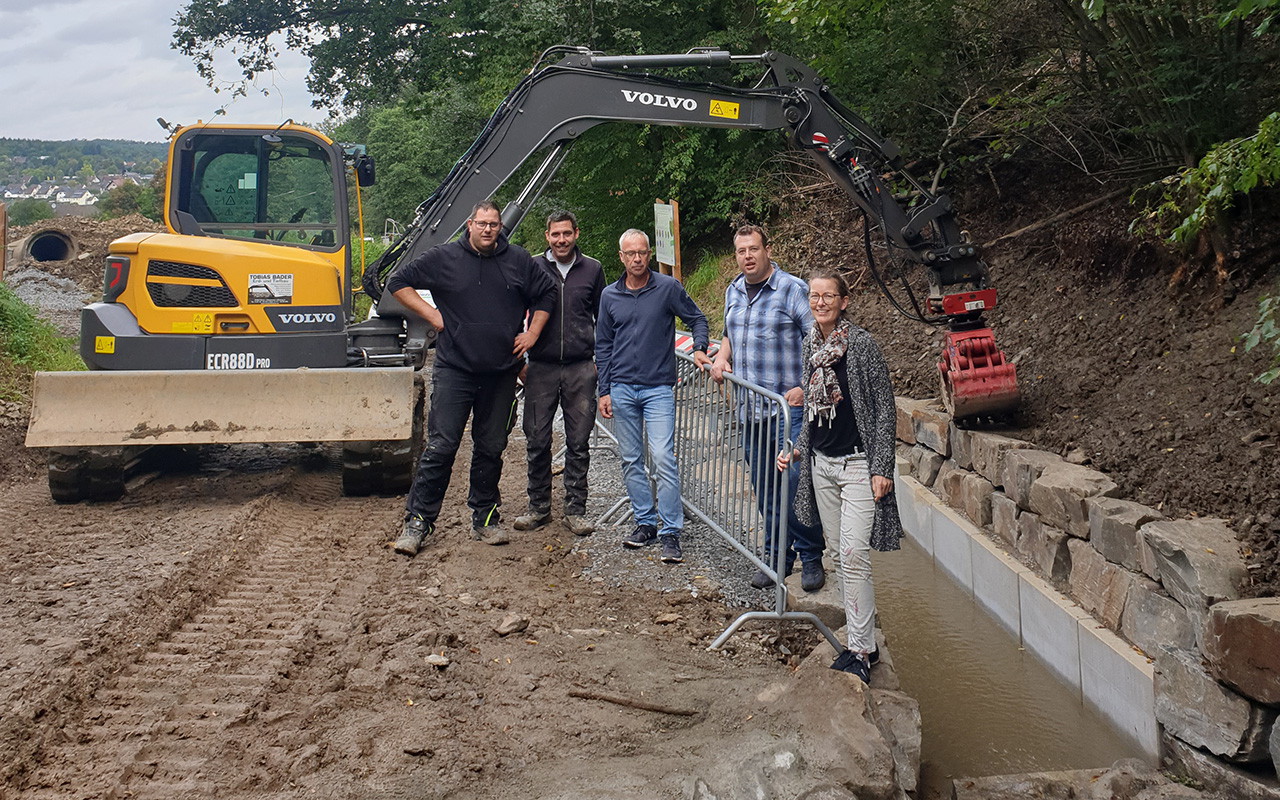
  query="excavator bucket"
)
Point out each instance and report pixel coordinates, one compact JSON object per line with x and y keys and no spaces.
{"x":114,"y":408}
{"x":977,"y":380}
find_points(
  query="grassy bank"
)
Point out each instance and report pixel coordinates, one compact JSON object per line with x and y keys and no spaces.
{"x":29,"y":345}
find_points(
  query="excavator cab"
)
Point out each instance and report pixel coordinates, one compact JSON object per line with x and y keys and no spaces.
{"x":276,"y":187}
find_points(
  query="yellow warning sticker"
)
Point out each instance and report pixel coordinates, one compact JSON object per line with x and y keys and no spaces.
{"x":200,"y":323}
{"x":104,"y":344}
{"x":722,"y":108}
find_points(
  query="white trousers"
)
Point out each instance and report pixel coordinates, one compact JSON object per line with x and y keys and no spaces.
{"x":842,"y":488}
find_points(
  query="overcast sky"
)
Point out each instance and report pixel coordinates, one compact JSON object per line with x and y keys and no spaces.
{"x":103,"y":69}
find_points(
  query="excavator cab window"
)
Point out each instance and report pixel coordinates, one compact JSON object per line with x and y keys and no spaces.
{"x":243,"y":185}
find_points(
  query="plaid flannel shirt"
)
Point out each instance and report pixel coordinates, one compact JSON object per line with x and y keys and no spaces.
{"x":765,"y":337}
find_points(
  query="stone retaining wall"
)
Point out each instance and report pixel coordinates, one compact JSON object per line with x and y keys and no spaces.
{"x":1168,"y":587}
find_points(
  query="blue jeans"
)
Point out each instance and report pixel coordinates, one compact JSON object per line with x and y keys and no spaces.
{"x":654,"y":407}
{"x":489,"y":399}
{"x":761,"y":442}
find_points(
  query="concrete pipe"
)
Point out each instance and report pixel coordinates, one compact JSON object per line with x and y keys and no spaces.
{"x":49,"y":244}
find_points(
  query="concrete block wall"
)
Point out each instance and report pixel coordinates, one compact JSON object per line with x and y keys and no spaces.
{"x":1139,"y":613}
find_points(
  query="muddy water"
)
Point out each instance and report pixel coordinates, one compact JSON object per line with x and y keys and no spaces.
{"x":988,"y":707}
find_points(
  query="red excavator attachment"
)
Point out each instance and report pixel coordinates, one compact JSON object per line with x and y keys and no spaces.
{"x":976,"y":378}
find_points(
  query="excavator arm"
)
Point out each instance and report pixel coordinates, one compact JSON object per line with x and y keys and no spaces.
{"x":558,"y":102}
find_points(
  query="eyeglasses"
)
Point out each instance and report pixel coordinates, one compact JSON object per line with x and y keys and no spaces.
{"x":629,"y":254}
{"x":486,"y":225}
{"x":829,"y":299}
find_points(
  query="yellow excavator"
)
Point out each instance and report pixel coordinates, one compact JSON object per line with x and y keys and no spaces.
{"x":236,"y":323}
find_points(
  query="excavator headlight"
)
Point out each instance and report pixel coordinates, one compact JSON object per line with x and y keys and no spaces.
{"x":115,"y":279}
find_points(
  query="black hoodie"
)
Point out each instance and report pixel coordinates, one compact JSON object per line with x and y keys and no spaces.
{"x":483,"y":299}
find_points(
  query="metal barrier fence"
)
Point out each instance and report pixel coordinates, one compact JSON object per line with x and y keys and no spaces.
{"x":716,"y":481}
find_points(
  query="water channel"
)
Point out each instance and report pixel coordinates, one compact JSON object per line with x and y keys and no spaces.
{"x":988,"y":706}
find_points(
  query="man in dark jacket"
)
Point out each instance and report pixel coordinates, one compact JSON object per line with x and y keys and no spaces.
{"x":483,"y":287}
{"x":561,"y":373}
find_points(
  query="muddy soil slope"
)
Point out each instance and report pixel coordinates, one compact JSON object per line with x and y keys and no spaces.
{"x":1129,"y":357}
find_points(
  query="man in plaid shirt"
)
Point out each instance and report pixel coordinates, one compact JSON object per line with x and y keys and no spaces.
{"x":766,"y":317}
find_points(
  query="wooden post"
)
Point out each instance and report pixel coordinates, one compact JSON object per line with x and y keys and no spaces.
{"x":668,"y":263}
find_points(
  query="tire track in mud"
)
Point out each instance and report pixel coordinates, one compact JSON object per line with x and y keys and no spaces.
{"x":171,"y":722}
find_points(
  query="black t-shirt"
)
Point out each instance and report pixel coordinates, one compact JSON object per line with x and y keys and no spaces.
{"x":840,"y":437}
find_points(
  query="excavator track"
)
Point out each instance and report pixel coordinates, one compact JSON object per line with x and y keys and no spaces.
{"x":386,"y":467}
{"x":91,"y":473}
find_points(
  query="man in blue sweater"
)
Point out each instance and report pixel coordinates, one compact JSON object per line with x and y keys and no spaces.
{"x":484,"y":286}
{"x":636,"y":363}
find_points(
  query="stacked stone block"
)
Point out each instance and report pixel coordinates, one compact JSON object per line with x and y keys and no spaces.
{"x":1170,"y":587}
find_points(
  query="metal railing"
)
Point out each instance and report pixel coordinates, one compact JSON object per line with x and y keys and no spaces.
{"x":716,"y":483}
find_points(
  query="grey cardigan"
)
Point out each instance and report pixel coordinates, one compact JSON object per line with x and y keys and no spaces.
{"x":874,"y":411}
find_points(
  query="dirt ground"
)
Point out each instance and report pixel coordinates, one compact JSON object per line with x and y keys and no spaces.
{"x":236,"y":628}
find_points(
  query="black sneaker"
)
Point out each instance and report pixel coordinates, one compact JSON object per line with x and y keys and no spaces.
{"x":812,"y":576}
{"x":642,"y":536}
{"x":854,"y":664}
{"x":671,"y":553}
{"x":873,"y":657}
{"x":761,"y":580}
{"x":415,"y":530}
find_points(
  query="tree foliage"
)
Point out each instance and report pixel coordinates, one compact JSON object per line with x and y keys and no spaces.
{"x":29,"y":210}
{"x":130,"y":198}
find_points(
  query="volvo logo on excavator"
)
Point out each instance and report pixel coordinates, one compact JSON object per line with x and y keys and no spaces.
{"x":298,"y":319}
{"x":292,"y":319}
{"x":660,"y":100}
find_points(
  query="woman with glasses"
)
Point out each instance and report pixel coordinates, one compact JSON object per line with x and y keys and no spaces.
{"x":845,"y":453}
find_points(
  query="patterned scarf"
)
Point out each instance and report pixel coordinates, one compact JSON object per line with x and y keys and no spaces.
{"x":823,"y":392}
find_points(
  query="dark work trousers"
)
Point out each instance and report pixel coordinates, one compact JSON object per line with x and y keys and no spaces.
{"x":571,"y":387}
{"x":489,"y":399}
{"x":761,"y":443}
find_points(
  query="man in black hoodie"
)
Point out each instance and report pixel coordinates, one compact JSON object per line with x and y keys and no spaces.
{"x":483,"y":288}
{"x":562,"y":373}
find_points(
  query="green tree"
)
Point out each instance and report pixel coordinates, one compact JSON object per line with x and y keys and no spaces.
{"x":29,"y":210}
{"x":130,"y":198}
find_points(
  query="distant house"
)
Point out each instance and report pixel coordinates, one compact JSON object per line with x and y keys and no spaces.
{"x":76,"y":196}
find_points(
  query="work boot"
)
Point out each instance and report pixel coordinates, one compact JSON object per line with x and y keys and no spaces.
{"x":493,"y":534}
{"x":532,"y":520}
{"x":812,"y":576}
{"x":578,"y":525}
{"x":671,"y":553}
{"x":642,"y":536}
{"x":415,"y":530}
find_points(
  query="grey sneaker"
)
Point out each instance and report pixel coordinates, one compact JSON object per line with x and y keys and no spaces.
{"x":761,"y":580}
{"x":532,"y":520}
{"x":578,"y":525}
{"x":491,"y":534}
{"x":671,"y":553}
{"x":642,"y":536}
{"x":415,"y":530}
